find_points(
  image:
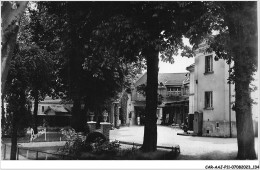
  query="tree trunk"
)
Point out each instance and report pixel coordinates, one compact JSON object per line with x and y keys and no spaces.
{"x":10,"y":15}
{"x":245,"y":131}
{"x":150,"y":128}
{"x":244,"y":121}
{"x":75,"y":81}
{"x":6,"y":54}
{"x":243,"y":71}
{"x":3,"y":109}
{"x":14,"y":137}
{"x":35,"y":112}
{"x":77,"y":116}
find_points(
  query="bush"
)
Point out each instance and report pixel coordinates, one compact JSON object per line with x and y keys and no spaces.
{"x":94,"y":137}
{"x":110,"y":148}
{"x":75,"y":142}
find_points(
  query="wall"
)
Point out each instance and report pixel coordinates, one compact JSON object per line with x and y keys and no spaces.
{"x":216,"y":82}
{"x":192,"y":92}
{"x":210,"y":128}
{"x":232,"y":89}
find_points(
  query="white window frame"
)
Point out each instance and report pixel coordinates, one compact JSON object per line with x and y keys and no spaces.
{"x":208,"y":99}
{"x":209,"y":64}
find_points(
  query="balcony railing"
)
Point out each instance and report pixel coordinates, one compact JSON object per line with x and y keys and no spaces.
{"x":173,"y":93}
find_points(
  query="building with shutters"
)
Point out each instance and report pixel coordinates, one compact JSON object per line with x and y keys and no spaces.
{"x":211,"y":96}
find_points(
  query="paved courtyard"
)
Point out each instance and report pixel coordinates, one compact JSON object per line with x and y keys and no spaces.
{"x":192,"y":147}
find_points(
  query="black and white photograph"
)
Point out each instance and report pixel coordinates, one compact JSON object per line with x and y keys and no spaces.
{"x":129,"y":85}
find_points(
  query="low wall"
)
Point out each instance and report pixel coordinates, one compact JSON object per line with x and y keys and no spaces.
{"x":219,"y":128}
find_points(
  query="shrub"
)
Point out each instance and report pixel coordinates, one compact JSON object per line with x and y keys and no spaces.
{"x":111,"y":148}
{"x":94,"y":137}
{"x":75,"y":143}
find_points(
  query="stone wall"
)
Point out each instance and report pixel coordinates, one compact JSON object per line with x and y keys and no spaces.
{"x":218,"y":128}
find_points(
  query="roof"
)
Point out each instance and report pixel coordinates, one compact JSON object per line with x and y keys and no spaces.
{"x":166,"y":78}
{"x":190,"y":67}
{"x":58,"y":109}
{"x":50,"y":100}
{"x":172,"y":78}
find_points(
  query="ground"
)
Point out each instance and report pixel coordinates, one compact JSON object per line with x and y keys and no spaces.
{"x":191,"y":147}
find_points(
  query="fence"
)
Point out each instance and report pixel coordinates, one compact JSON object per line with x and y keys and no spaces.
{"x":30,"y":154}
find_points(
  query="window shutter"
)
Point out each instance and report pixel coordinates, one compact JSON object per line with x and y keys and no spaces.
{"x":206,"y":68}
{"x":211,"y":99}
{"x":205,"y":100}
{"x":211,"y":63}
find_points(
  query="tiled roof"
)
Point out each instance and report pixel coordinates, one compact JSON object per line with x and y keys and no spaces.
{"x":165,"y":78}
{"x":172,"y":78}
{"x":50,"y":100}
{"x":58,"y":109}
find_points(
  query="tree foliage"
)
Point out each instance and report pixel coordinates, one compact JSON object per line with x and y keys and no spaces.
{"x":87,"y":72}
{"x":106,"y":34}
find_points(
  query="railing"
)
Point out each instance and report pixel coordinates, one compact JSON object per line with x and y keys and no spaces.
{"x":34,"y":136}
{"x":173,"y":93}
{"x":30,"y":154}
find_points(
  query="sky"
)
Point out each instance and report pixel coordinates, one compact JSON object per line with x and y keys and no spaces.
{"x":179,"y":65}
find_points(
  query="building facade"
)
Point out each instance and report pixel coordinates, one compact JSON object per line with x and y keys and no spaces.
{"x":173,"y":94}
{"x":191,"y":96}
{"x":211,"y":96}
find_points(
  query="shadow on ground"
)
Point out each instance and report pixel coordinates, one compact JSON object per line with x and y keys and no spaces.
{"x":215,"y":155}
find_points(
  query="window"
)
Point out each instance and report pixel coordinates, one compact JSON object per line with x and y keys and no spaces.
{"x":209,"y":64}
{"x":42,"y":108}
{"x":208,"y":100}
